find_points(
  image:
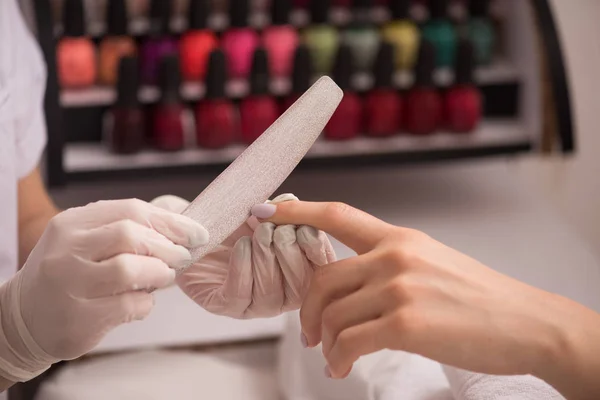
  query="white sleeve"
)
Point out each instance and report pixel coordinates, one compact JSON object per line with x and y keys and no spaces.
{"x":27,"y":89}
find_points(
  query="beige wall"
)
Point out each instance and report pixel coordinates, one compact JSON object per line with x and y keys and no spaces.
{"x":574,"y":184}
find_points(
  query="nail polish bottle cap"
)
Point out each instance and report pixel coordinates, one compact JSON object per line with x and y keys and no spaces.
{"x":438,"y":9}
{"x":400,"y":9}
{"x":260,"y":75}
{"x":384,"y":67}
{"x":117,"y":18}
{"x":216,"y":76}
{"x":199,"y":10}
{"x":479,"y":8}
{"x":319,"y":10}
{"x":160,"y":17}
{"x":128,"y":82}
{"x":280,"y":12}
{"x":425,"y":64}
{"x":343,"y":70}
{"x":169,"y":80}
{"x":74,"y":24}
{"x":465,"y":63}
{"x":238,"y":13}
{"x":362,"y":11}
{"x":303,"y":71}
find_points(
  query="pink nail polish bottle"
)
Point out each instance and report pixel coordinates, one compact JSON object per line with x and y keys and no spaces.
{"x":280,"y":39}
{"x":240,"y":41}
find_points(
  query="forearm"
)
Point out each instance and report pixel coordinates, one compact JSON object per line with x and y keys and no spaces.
{"x":573,"y":365}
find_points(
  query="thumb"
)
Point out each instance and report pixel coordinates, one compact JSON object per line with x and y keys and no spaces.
{"x":356,"y":229}
{"x":171,"y":203}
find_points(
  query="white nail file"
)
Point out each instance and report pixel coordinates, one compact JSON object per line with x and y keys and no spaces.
{"x":257,"y":173}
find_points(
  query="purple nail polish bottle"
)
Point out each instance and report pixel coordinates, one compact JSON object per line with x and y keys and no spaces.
{"x":159,"y":43}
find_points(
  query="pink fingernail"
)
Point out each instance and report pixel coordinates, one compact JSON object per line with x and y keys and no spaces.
{"x":264,"y":211}
{"x":303,"y":340}
{"x":327,"y":372}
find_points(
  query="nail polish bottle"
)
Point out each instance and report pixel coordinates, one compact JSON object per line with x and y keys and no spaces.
{"x":197,"y":43}
{"x":440,"y":32}
{"x":259,"y":110}
{"x":240,"y":41}
{"x":301,"y":76}
{"x":217,"y":122}
{"x":404,"y":34}
{"x":321,"y":38}
{"x":384,"y":106}
{"x":280,"y":39}
{"x":361,"y":36}
{"x":346,"y":122}
{"x":463,"y":102}
{"x":423,"y":103}
{"x":76,"y":55}
{"x":168,"y":128}
{"x":159,"y":43}
{"x":116,"y":44}
{"x":125,"y":122}
{"x":481,"y":31}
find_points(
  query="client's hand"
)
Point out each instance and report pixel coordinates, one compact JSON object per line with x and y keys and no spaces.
{"x":406,"y":291}
{"x":260,"y":271}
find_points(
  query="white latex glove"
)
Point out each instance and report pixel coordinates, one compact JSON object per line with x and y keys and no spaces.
{"x":260,"y":271}
{"x":92,"y":270}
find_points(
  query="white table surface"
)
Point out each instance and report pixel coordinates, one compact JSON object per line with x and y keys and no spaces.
{"x":482,"y":208}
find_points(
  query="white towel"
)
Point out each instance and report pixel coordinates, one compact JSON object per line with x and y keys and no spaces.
{"x":471,"y":386}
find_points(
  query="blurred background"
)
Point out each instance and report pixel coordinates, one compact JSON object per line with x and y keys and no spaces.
{"x":473,"y":120}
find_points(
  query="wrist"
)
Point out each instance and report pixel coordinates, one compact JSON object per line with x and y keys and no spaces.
{"x":21,"y":359}
{"x":570,"y":360}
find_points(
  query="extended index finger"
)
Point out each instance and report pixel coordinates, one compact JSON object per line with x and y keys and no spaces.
{"x":355,"y":228}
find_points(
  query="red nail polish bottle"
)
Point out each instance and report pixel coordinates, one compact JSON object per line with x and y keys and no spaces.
{"x":168,"y":126}
{"x":463,"y":102}
{"x":259,"y":110}
{"x":301,"y":76}
{"x":196,"y":44}
{"x":124,"y":125}
{"x":216,"y":116}
{"x":424,"y":103}
{"x":347,"y":121}
{"x":280,"y":39}
{"x":384,"y":106}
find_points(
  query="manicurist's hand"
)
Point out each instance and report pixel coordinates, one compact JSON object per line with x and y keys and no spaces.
{"x":92,"y":270}
{"x":261,"y":270}
{"x":406,"y":291}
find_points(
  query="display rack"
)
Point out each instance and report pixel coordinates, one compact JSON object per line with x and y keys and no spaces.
{"x":511,"y":88}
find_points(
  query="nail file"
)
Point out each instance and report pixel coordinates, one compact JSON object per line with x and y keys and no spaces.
{"x":259,"y":171}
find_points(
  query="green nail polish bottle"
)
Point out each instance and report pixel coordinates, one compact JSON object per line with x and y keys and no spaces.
{"x":321,"y":38}
{"x":481,"y":31}
{"x":440,"y":32}
{"x":361,"y":36}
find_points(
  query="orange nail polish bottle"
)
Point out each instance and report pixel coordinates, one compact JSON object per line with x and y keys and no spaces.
{"x":116,"y":44}
{"x":76,"y":55}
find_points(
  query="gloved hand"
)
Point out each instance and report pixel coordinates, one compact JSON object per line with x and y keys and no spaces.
{"x":92,"y":270}
{"x":260,"y":271}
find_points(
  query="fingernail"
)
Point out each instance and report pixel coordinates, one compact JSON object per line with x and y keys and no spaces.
{"x":184,"y":259}
{"x":327,"y":372}
{"x":264,"y":211}
{"x":303,"y":340}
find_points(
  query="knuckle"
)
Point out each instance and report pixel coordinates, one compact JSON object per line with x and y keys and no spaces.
{"x":344,"y":342}
{"x":404,"y":322}
{"x":132,"y":207}
{"x":127,"y":230}
{"x":397,"y":291}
